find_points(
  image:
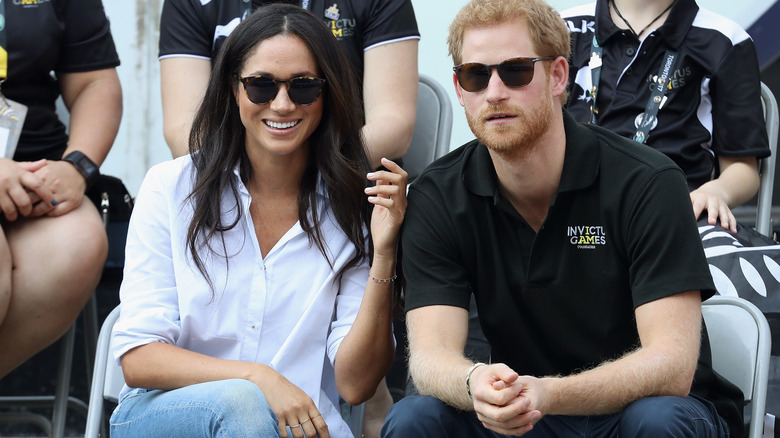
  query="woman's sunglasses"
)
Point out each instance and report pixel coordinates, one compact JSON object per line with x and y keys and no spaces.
{"x":263,"y":89}
{"x":515,"y":73}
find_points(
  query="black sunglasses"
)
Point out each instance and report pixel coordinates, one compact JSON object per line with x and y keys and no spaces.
{"x":263,"y":89}
{"x":515,"y":73}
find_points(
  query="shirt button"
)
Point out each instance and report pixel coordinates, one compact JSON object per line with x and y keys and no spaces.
{"x":630,"y":71}
{"x":630,"y":51}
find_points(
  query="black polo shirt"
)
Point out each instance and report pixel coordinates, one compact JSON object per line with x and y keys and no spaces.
{"x":619,"y":233}
{"x":713,"y":106}
{"x":198,"y":29}
{"x":64,"y":36}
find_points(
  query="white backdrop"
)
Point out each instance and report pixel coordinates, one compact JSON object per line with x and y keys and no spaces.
{"x":135,"y":26}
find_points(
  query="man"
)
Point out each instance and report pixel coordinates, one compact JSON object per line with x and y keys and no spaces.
{"x":579,"y":246}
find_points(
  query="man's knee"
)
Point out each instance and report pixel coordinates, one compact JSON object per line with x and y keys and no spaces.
{"x":669,"y":417}
{"x":419,"y":416}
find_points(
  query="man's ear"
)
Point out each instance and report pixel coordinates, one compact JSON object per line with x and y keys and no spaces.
{"x":559,"y":75}
{"x":458,"y":89}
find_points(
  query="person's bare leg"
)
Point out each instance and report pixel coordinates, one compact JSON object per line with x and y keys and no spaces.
{"x":377,"y":408}
{"x":57,"y":262}
{"x":5,"y":275}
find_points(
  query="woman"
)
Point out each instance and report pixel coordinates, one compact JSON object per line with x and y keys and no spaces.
{"x":248,"y":299}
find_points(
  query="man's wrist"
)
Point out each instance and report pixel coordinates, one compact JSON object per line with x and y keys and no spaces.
{"x":468,"y":378}
{"x":86,"y":167}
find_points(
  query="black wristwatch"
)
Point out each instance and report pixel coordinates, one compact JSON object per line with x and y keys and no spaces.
{"x":86,"y":167}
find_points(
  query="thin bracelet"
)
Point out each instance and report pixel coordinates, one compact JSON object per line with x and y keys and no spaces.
{"x":384,"y":280}
{"x":468,"y":378}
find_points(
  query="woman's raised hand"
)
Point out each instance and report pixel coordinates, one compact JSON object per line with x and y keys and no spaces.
{"x":389,"y":199}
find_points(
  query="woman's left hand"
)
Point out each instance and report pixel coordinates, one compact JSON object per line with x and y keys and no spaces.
{"x":389,"y":199}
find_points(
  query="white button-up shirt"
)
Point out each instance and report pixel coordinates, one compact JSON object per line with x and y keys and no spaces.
{"x":287,"y":311}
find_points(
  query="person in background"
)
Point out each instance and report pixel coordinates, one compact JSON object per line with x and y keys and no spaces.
{"x":252,"y":296}
{"x":580,"y":248}
{"x":52,"y":241}
{"x":680,"y":79}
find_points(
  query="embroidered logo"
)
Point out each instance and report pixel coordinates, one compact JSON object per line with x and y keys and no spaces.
{"x":30,"y":3}
{"x":586,"y":236}
{"x":332,"y":13}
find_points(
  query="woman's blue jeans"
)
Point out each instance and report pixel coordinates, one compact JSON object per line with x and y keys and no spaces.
{"x":232,"y":408}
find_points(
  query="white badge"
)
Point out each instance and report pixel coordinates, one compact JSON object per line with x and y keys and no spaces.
{"x":12,"y":116}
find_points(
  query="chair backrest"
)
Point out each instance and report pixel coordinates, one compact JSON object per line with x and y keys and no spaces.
{"x":432,"y":127}
{"x":767,"y":165}
{"x":107,"y":378}
{"x":740,"y":341}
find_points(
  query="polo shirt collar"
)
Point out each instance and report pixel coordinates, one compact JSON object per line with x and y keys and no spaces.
{"x":674,"y":30}
{"x":580,"y":164}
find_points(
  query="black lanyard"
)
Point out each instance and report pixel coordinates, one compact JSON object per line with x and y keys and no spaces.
{"x":649,"y":117}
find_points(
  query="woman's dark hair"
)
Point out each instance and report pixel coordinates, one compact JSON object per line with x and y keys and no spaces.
{"x":336,"y":150}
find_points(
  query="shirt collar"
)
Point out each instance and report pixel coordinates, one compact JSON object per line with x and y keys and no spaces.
{"x":674,"y":29}
{"x":581,"y":163}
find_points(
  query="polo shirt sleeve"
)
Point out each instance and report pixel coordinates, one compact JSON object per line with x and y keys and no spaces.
{"x":737,"y":118}
{"x":433,"y":269}
{"x":664,"y":248}
{"x":88,"y":44}
{"x":184,"y":30}
{"x":390,"y":20}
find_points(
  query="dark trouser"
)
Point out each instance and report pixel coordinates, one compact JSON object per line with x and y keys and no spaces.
{"x":654,"y":417}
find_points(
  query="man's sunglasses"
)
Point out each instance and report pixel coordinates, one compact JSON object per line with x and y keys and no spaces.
{"x":263,"y":89}
{"x":515,"y":73}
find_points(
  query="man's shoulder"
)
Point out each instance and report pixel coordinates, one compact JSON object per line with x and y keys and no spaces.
{"x":446,"y":171}
{"x":616,"y":149}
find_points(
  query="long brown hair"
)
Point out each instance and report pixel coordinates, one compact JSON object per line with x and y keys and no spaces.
{"x":337,"y":153}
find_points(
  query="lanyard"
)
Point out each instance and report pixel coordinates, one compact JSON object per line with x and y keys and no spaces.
{"x":246,"y":7}
{"x":648,"y":119}
{"x":3,"y":45}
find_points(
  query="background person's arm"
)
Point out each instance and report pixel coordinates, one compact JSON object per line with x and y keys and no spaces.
{"x":390,"y":99}
{"x":738,"y":183}
{"x":183,"y":82}
{"x":94,"y":100}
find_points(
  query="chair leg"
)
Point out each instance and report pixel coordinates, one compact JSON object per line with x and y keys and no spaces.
{"x":90,"y":314}
{"x":63,"y":383}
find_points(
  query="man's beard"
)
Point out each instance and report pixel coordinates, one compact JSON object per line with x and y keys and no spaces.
{"x":516,"y":140}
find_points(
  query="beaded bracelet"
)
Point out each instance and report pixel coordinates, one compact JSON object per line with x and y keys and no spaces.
{"x":384,"y":280}
{"x":468,"y":377}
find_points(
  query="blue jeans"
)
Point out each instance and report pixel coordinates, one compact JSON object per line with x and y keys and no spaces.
{"x":232,"y":408}
{"x":654,"y":417}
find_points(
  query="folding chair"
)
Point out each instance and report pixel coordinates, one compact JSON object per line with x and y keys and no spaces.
{"x":740,"y":341}
{"x":107,"y":379}
{"x":432,"y":127}
{"x":61,"y":400}
{"x":766,"y":169}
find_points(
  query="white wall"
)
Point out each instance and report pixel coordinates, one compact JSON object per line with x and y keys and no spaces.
{"x":135,"y":26}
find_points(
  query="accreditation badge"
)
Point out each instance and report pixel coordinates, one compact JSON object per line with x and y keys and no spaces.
{"x":12,"y":116}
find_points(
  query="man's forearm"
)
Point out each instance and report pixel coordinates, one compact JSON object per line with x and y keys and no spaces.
{"x":442,"y":374}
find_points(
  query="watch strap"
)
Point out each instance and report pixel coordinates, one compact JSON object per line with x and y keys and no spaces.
{"x":86,"y":167}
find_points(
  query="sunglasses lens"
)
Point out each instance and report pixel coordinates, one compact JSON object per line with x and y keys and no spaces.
{"x":304,"y":91}
{"x":261,"y":89}
{"x":473,"y":76}
{"x":516,"y":72}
